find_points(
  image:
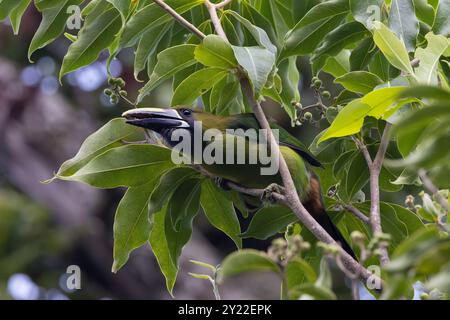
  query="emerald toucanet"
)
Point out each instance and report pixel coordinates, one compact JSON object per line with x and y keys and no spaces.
{"x":167,"y":122}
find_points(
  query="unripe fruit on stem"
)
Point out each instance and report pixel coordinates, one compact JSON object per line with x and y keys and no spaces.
{"x":326,"y":94}
{"x":120,"y":82}
{"x":308,"y":115}
{"x":108,"y":92}
{"x":317,"y":84}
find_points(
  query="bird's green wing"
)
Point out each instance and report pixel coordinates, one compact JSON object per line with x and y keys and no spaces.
{"x":248,"y":121}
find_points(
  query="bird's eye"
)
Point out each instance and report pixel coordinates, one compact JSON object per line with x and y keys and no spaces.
{"x":186,"y":112}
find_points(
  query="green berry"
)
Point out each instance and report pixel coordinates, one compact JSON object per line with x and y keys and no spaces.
{"x":308,"y":115}
{"x":326,"y":94}
{"x":111,"y":81}
{"x":114,"y":99}
{"x":317,"y":84}
{"x":123,"y":93}
{"x":108,"y":92}
{"x":120,"y":82}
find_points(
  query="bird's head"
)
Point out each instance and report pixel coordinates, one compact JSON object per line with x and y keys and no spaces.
{"x":166,"y":121}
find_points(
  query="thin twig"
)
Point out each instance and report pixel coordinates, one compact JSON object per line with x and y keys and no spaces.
{"x":180,"y":19}
{"x":358,"y":214}
{"x":256,"y":192}
{"x":429,"y":185}
{"x":375,"y":169}
{"x":291,"y":196}
{"x":212,"y":9}
{"x":363,"y":148}
{"x":223,"y":4}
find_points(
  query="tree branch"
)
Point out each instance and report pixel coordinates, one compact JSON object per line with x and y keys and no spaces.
{"x":291,"y":197}
{"x":180,"y":19}
{"x":255,"y":192}
{"x":223,"y":4}
{"x":358,"y":214}
{"x":212,"y":9}
{"x":375,"y":169}
{"x":361,"y":146}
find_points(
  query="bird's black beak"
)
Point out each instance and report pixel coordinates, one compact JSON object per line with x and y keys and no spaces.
{"x":155,"y":119}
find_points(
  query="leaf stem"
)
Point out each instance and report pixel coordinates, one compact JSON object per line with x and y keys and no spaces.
{"x":180,"y":19}
{"x":358,"y":214}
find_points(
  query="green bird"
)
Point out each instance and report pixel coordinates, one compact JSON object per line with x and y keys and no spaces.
{"x":167,"y":122}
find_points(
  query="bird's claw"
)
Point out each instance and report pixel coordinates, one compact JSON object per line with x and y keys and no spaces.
{"x":221,"y":183}
{"x":268,"y":194}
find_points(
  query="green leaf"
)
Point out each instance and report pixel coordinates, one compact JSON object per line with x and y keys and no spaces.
{"x":424,"y":11}
{"x":410,"y":130}
{"x":151,"y":16}
{"x":170,"y":61}
{"x":220,"y":211}
{"x":429,"y":92}
{"x":351,"y":118}
{"x":247,"y":260}
{"x":298,"y":271}
{"x":340,"y":38}
{"x":226,"y":96}
{"x":280,"y":15}
{"x":365,"y":11}
{"x":311,"y":291}
{"x":215,"y":52}
{"x":170,"y":181}
{"x":130,"y":165}
{"x":325,"y":152}
{"x":428,"y":154}
{"x":123,"y":6}
{"x":403,"y":21}
{"x":258,"y":34}
{"x":409,"y":218}
{"x":387,"y":177}
{"x":16,"y":14}
{"x":269,"y":221}
{"x":159,"y":243}
{"x":131,"y":224}
{"x":414,"y":240}
{"x":313,"y":27}
{"x":442,"y":20}
{"x":98,"y":32}
{"x":54,"y":19}
{"x":429,"y":58}
{"x":337,"y":65}
{"x":257,"y":62}
{"x":342,"y":162}
{"x":6,"y":7}
{"x":393,"y":48}
{"x":197,"y":84}
{"x":359,"y":81}
{"x":380,"y":66}
{"x":290,"y":79}
{"x":111,"y":135}
{"x":362,"y":54}
{"x":257,"y":19}
{"x":148,"y":46}
{"x":183,"y":207}
{"x":358,"y":175}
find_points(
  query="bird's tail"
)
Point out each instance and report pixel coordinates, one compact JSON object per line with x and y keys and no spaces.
{"x":325,"y":221}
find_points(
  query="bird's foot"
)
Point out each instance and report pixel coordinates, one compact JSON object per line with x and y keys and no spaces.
{"x":268,"y":194}
{"x":222,"y":183}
